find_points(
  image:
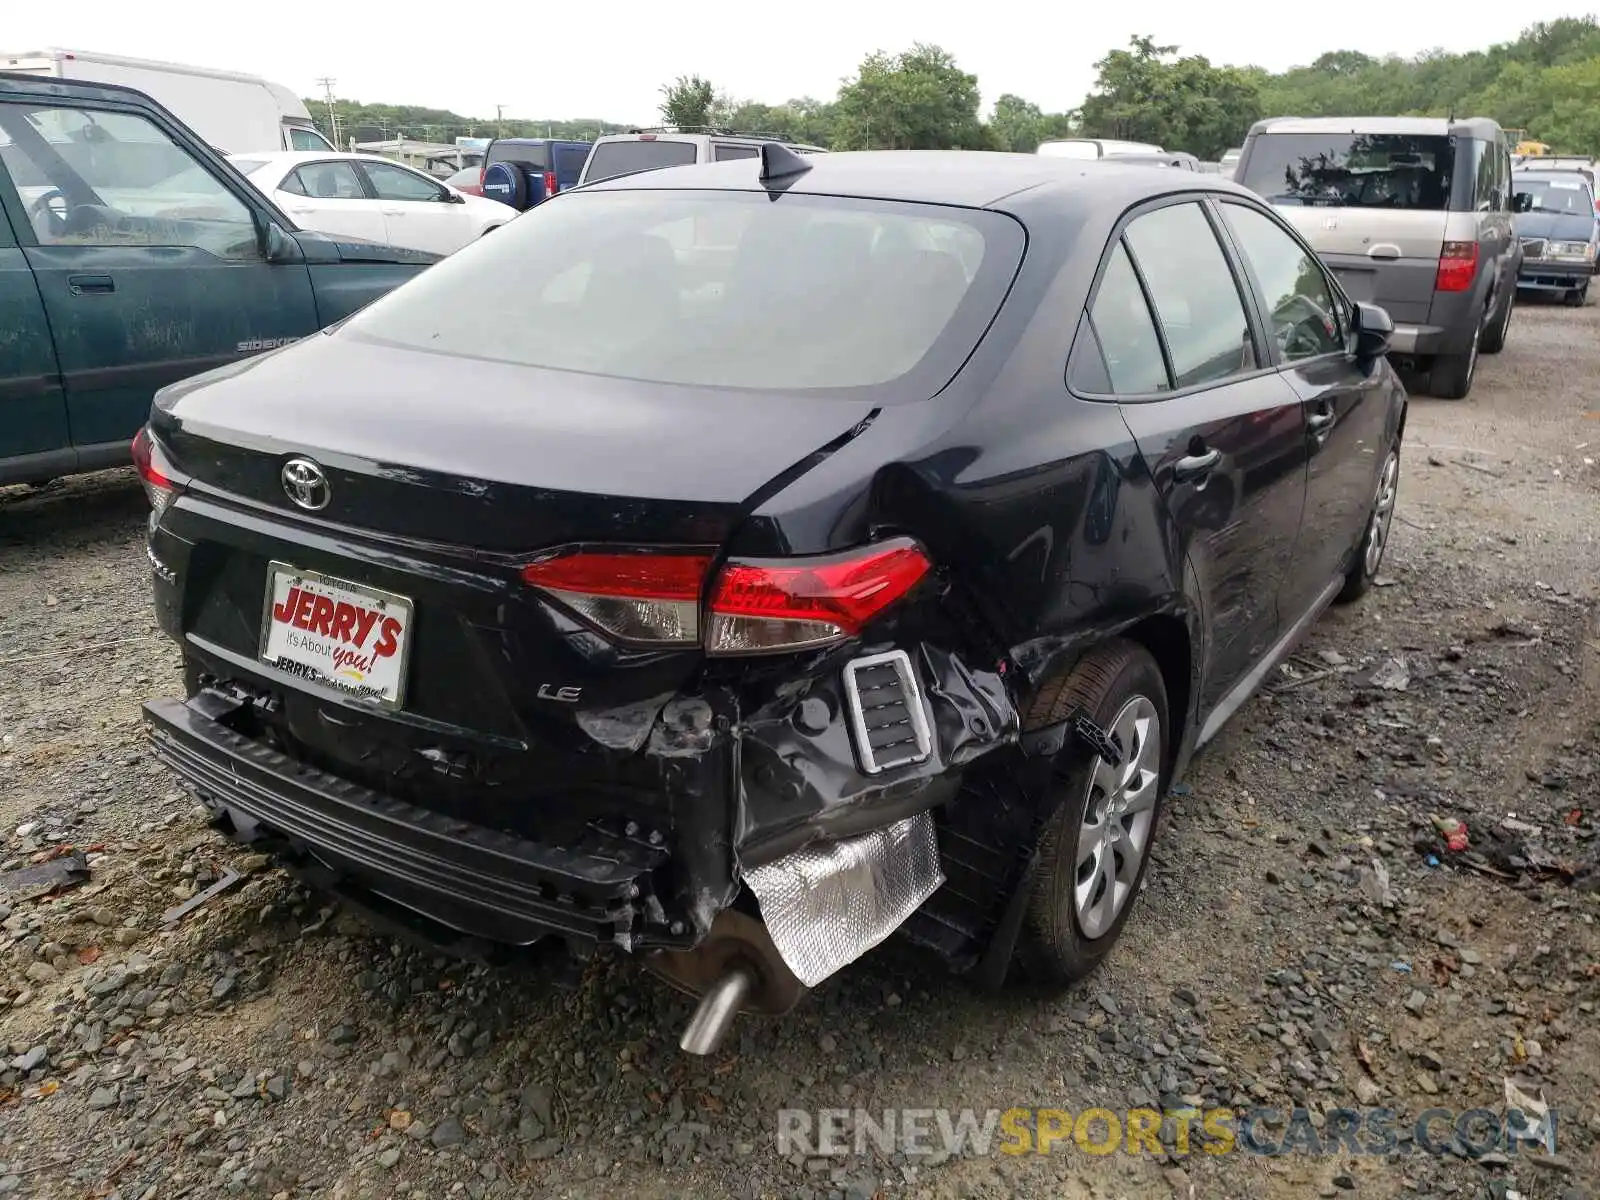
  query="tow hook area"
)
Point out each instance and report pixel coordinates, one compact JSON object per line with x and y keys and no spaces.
{"x":735,"y":969}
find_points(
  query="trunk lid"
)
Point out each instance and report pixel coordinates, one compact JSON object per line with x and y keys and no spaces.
{"x":483,"y":457}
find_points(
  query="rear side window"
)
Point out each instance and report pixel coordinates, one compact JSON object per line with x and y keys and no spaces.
{"x":570,"y":160}
{"x":610,"y":159}
{"x":327,"y":181}
{"x":723,"y":151}
{"x":534,"y":155}
{"x":1353,"y":170}
{"x":1300,"y":304}
{"x":1195,"y":297}
{"x":719,"y":289}
{"x":1126,"y":331}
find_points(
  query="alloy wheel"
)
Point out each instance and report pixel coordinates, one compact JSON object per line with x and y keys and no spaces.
{"x":1382,"y":513}
{"x":1118,"y":819}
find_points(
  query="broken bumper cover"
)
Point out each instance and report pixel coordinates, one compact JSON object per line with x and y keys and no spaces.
{"x":470,"y":879}
{"x":827,"y":905}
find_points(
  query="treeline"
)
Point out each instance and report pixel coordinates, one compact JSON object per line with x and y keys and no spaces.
{"x":1546,"y":82}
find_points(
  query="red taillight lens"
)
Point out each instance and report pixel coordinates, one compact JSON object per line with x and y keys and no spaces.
{"x":789,"y":604}
{"x":1458,"y":266}
{"x":757,"y":606}
{"x":549,"y":183}
{"x":636,"y":597}
{"x":159,"y":485}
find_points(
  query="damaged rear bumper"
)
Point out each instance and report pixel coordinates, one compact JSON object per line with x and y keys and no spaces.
{"x":815,"y":810}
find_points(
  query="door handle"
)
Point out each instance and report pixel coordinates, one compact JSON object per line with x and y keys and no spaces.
{"x":394,"y":212}
{"x":90,"y":285}
{"x":301,"y":212}
{"x":1196,"y":466}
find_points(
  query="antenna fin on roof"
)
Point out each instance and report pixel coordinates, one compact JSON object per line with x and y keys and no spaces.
{"x":780,"y":162}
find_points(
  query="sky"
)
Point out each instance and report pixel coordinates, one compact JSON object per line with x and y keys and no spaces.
{"x":556,"y":61}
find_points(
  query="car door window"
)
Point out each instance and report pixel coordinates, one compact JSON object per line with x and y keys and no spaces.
{"x":722,"y":152}
{"x":1196,"y":299}
{"x":1126,"y":331}
{"x":1301,"y":309}
{"x":103,"y":178}
{"x":391,"y":183}
{"x":327,"y":181}
{"x":306,"y":139}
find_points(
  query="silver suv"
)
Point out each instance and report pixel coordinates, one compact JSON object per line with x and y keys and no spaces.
{"x":1413,"y":214}
{"x":649,"y":149}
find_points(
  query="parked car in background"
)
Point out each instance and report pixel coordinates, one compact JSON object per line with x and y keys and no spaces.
{"x":362,"y":195}
{"x":468,"y":181}
{"x":522,"y":172}
{"x":131,"y":256}
{"x":665,"y":637}
{"x":1565,"y":163}
{"x":1167,"y":158}
{"x":647,"y":149}
{"x":1094,"y":148}
{"x":1413,"y":213}
{"x":232,"y":111}
{"x":1560,"y":233}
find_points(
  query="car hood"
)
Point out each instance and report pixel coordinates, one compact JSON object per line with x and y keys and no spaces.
{"x":1566,"y":227}
{"x":328,"y":247}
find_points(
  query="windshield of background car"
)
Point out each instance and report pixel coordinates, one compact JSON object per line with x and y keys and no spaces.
{"x":1352,"y":170}
{"x":610,"y":159}
{"x":1553,"y":194}
{"x":718,"y":289}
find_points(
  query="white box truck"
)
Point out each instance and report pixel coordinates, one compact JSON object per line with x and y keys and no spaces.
{"x":234,"y":112}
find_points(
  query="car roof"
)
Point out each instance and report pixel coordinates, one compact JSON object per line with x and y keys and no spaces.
{"x":1478,"y":127}
{"x":541,"y":141}
{"x":965,"y":178}
{"x":700,"y":135}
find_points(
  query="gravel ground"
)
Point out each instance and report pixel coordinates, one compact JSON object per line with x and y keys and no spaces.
{"x":1305,"y":939}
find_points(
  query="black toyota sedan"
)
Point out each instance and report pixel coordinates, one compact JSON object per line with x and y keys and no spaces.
{"x":738,"y":563}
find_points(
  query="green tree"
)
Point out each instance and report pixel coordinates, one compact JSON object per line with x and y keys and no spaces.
{"x":1182,"y":104}
{"x":916,"y":100}
{"x":688,"y":101}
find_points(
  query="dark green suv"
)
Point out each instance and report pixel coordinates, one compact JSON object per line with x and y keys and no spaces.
{"x":132,"y":255}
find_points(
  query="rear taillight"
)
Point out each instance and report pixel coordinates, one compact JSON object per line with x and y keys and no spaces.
{"x":754,"y":606}
{"x":482,"y":172}
{"x":549,"y":183}
{"x":1458,"y":266}
{"x":159,"y":479}
{"x":758,"y":606}
{"x":635,"y":597}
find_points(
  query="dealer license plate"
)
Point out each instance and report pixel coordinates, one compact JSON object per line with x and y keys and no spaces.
{"x":351,"y":638}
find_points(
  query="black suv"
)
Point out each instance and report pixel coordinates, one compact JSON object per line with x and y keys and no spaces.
{"x":829,"y":545}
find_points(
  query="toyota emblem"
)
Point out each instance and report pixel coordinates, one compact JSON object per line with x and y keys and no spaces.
{"x":305,"y":484}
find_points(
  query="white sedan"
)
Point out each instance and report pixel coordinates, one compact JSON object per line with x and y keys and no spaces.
{"x":362,"y":195}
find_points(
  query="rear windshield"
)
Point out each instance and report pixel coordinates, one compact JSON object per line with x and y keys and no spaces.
{"x":1352,"y":170}
{"x":535,"y":154}
{"x":1553,"y":194}
{"x":570,"y":160}
{"x":610,"y":159}
{"x":718,"y":289}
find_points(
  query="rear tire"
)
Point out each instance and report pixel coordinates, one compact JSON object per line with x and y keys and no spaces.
{"x":1452,"y":374}
{"x":1104,"y":817}
{"x":1375,"y":538}
{"x":1494,"y":338}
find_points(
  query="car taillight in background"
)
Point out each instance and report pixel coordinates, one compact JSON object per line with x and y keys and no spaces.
{"x":550,"y":188}
{"x":1458,"y":266}
{"x":754,"y":606}
{"x":160,"y":481}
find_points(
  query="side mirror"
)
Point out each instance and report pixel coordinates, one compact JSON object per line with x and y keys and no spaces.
{"x":451,"y":196}
{"x":1374,"y":328}
{"x":1522,"y":202}
{"x":278,"y":244}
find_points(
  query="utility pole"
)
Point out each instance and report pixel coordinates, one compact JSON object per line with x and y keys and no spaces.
{"x":333,"y":114}
{"x":499,"y":125}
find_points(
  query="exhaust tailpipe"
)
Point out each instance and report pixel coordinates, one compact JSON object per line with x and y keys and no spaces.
{"x":718,"y":1007}
{"x":735,"y":969}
